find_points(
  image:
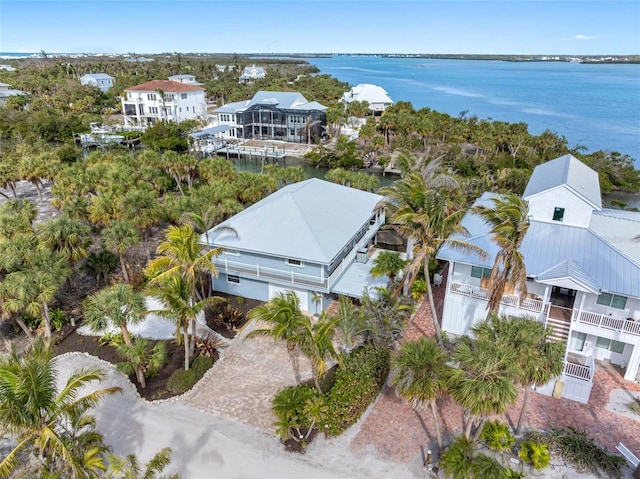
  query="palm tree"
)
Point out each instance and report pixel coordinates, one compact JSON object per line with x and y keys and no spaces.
{"x":422,"y":209}
{"x":456,"y":459}
{"x":128,"y":467}
{"x":68,"y":236}
{"x":141,"y":358}
{"x":177,"y":297}
{"x":182,"y":254}
{"x":385,"y":316}
{"x":283,"y":314}
{"x":53,"y":424}
{"x":388,"y":263}
{"x":538,"y":360}
{"x":116,"y":306}
{"x":509,"y":223}
{"x":419,"y":373}
{"x":316,"y":342}
{"x":483,"y":382}
{"x":120,"y":236}
{"x":350,"y":326}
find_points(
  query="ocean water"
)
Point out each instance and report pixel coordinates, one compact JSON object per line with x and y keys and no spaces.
{"x":596,"y":106}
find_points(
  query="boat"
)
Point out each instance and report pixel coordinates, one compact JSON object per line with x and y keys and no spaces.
{"x":99,"y":136}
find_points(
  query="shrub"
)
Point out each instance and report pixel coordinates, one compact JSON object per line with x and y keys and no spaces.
{"x":418,"y":289}
{"x":634,"y":406}
{"x":497,"y":436}
{"x":535,"y":453}
{"x":357,"y":384}
{"x":206,"y":346}
{"x":181,"y":381}
{"x":58,"y":319}
{"x":112,"y":338}
{"x":200,"y":365}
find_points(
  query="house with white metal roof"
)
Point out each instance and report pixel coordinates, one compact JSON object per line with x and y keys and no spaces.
{"x":583,"y":274}
{"x":251,"y":74}
{"x":274,"y":115}
{"x":376,"y":96}
{"x":98,"y":80}
{"x":6,"y":91}
{"x":307,"y":237}
{"x":185,"y":78}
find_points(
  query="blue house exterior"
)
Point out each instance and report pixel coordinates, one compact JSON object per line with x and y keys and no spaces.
{"x":308,"y":237}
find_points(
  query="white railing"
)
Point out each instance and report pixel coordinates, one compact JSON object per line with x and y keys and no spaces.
{"x":528,"y":304}
{"x":257,"y":271}
{"x":584,"y":372}
{"x":607,"y":322}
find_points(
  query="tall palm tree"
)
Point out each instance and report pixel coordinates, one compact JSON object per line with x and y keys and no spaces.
{"x":68,"y":236}
{"x":422,"y":207}
{"x":182,"y":254}
{"x":283,"y":314}
{"x":53,"y":424}
{"x":116,"y":306}
{"x":483,"y":384}
{"x":419,"y":373}
{"x":119,"y":236}
{"x":508,"y":219}
{"x":350,"y":326}
{"x":316,"y":343}
{"x":538,"y":360}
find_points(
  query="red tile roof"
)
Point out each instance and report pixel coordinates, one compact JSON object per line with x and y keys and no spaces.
{"x":166,"y":86}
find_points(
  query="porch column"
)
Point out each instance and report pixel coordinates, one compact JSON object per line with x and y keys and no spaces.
{"x":631,"y":371}
{"x":545,"y":299}
{"x":581,"y":307}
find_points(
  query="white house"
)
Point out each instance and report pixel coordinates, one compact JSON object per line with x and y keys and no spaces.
{"x":251,"y":74}
{"x":158,"y":100}
{"x":583,"y":274}
{"x":99,"y":80}
{"x":186,"y":79}
{"x":7,"y":68}
{"x":308,"y":237}
{"x":6,"y":91}
{"x":377,"y":98}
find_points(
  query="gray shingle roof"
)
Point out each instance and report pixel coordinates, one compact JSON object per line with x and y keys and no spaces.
{"x":310,"y":221}
{"x":570,"y":172}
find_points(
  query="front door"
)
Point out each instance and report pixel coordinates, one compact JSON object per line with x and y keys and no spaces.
{"x":563,"y":297}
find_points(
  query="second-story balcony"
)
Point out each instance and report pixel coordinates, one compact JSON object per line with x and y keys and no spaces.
{"x":606,"y":322}
{"x":257,"y":271}
{"x":527,"y":304}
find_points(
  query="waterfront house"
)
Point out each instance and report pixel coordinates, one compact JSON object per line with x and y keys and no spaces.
{"x":7,"y":68}
{"x":583,"y":274}
{"x":274,"y":115}
{"x":98,"y":80}
{"x":377,"y":98}
{"x":251,"y":74}
{"x":157,"y":100}
{"x":6,"y":91}
{"x":186,"y":79}
{"x":307,"y":237}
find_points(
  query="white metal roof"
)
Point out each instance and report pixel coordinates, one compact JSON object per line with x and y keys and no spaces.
{"x":566,"y":171}
{"x":595,"y":262}
{"x":367,"y":92}
{"x":284,"y":100}
{"x":98,"y":76}
{"x":309,"y":221}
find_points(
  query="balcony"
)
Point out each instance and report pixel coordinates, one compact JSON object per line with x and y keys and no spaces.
{"x":512,"y":300}
{"x":604,"y":321}
{"x":257,"y":271}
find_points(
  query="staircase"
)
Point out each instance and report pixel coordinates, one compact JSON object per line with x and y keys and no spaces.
{"x":560,"y":324}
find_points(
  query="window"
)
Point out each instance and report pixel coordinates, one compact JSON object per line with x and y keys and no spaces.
{"x":479,"y":272}
{"x":558,"y":214}
{"x":151,"y":96}
{"x":612,"y":300}
{"x":610,"y":344}
{"x":579,"y":343}
{"x":183,"y":96}
{"x":187,"y":108}
{"x":295,"y":262}
{"x":233,"y":279}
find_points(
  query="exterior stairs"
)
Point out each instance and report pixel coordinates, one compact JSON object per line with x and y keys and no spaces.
{"x":560,"y":327}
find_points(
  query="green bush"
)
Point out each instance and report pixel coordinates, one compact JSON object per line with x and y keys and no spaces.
{"x":535,"y":453}
{"x":357,"y":384}
{"x":58,"y":319}
{"x":200,"y":365}
{"x":181,"y":381}
{"x":497,"y":436}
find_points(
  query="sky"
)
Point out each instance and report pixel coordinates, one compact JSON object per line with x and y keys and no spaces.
{"x":577,"y":27}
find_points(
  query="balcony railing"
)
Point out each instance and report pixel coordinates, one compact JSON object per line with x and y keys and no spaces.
{"x":528,"y":304}
{"x":607,"y":322}
{"x":258,"y":271}
{"x":584,"y":372}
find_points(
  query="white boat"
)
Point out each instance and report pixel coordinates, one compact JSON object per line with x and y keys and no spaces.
{"x":99,"y":136}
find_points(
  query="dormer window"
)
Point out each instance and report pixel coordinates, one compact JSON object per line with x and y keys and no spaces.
{"x":558,"y":214}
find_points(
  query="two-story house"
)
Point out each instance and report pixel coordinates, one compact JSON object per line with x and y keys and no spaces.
{"x":274,"y":115}
{"x":306,"y":237}
{"x":376,"y":96}
{"x":6,"y":91}
{"x":98,"y":80}
{"x":185,"y":78}
{"x":251,"y":74}
{"x":157,"y":100}
{"x":583,"y":274}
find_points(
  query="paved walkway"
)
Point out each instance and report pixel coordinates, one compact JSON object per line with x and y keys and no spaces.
{"x":397,"y":432}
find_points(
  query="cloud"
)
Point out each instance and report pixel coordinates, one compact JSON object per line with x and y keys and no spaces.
{"x":585,"y":37}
